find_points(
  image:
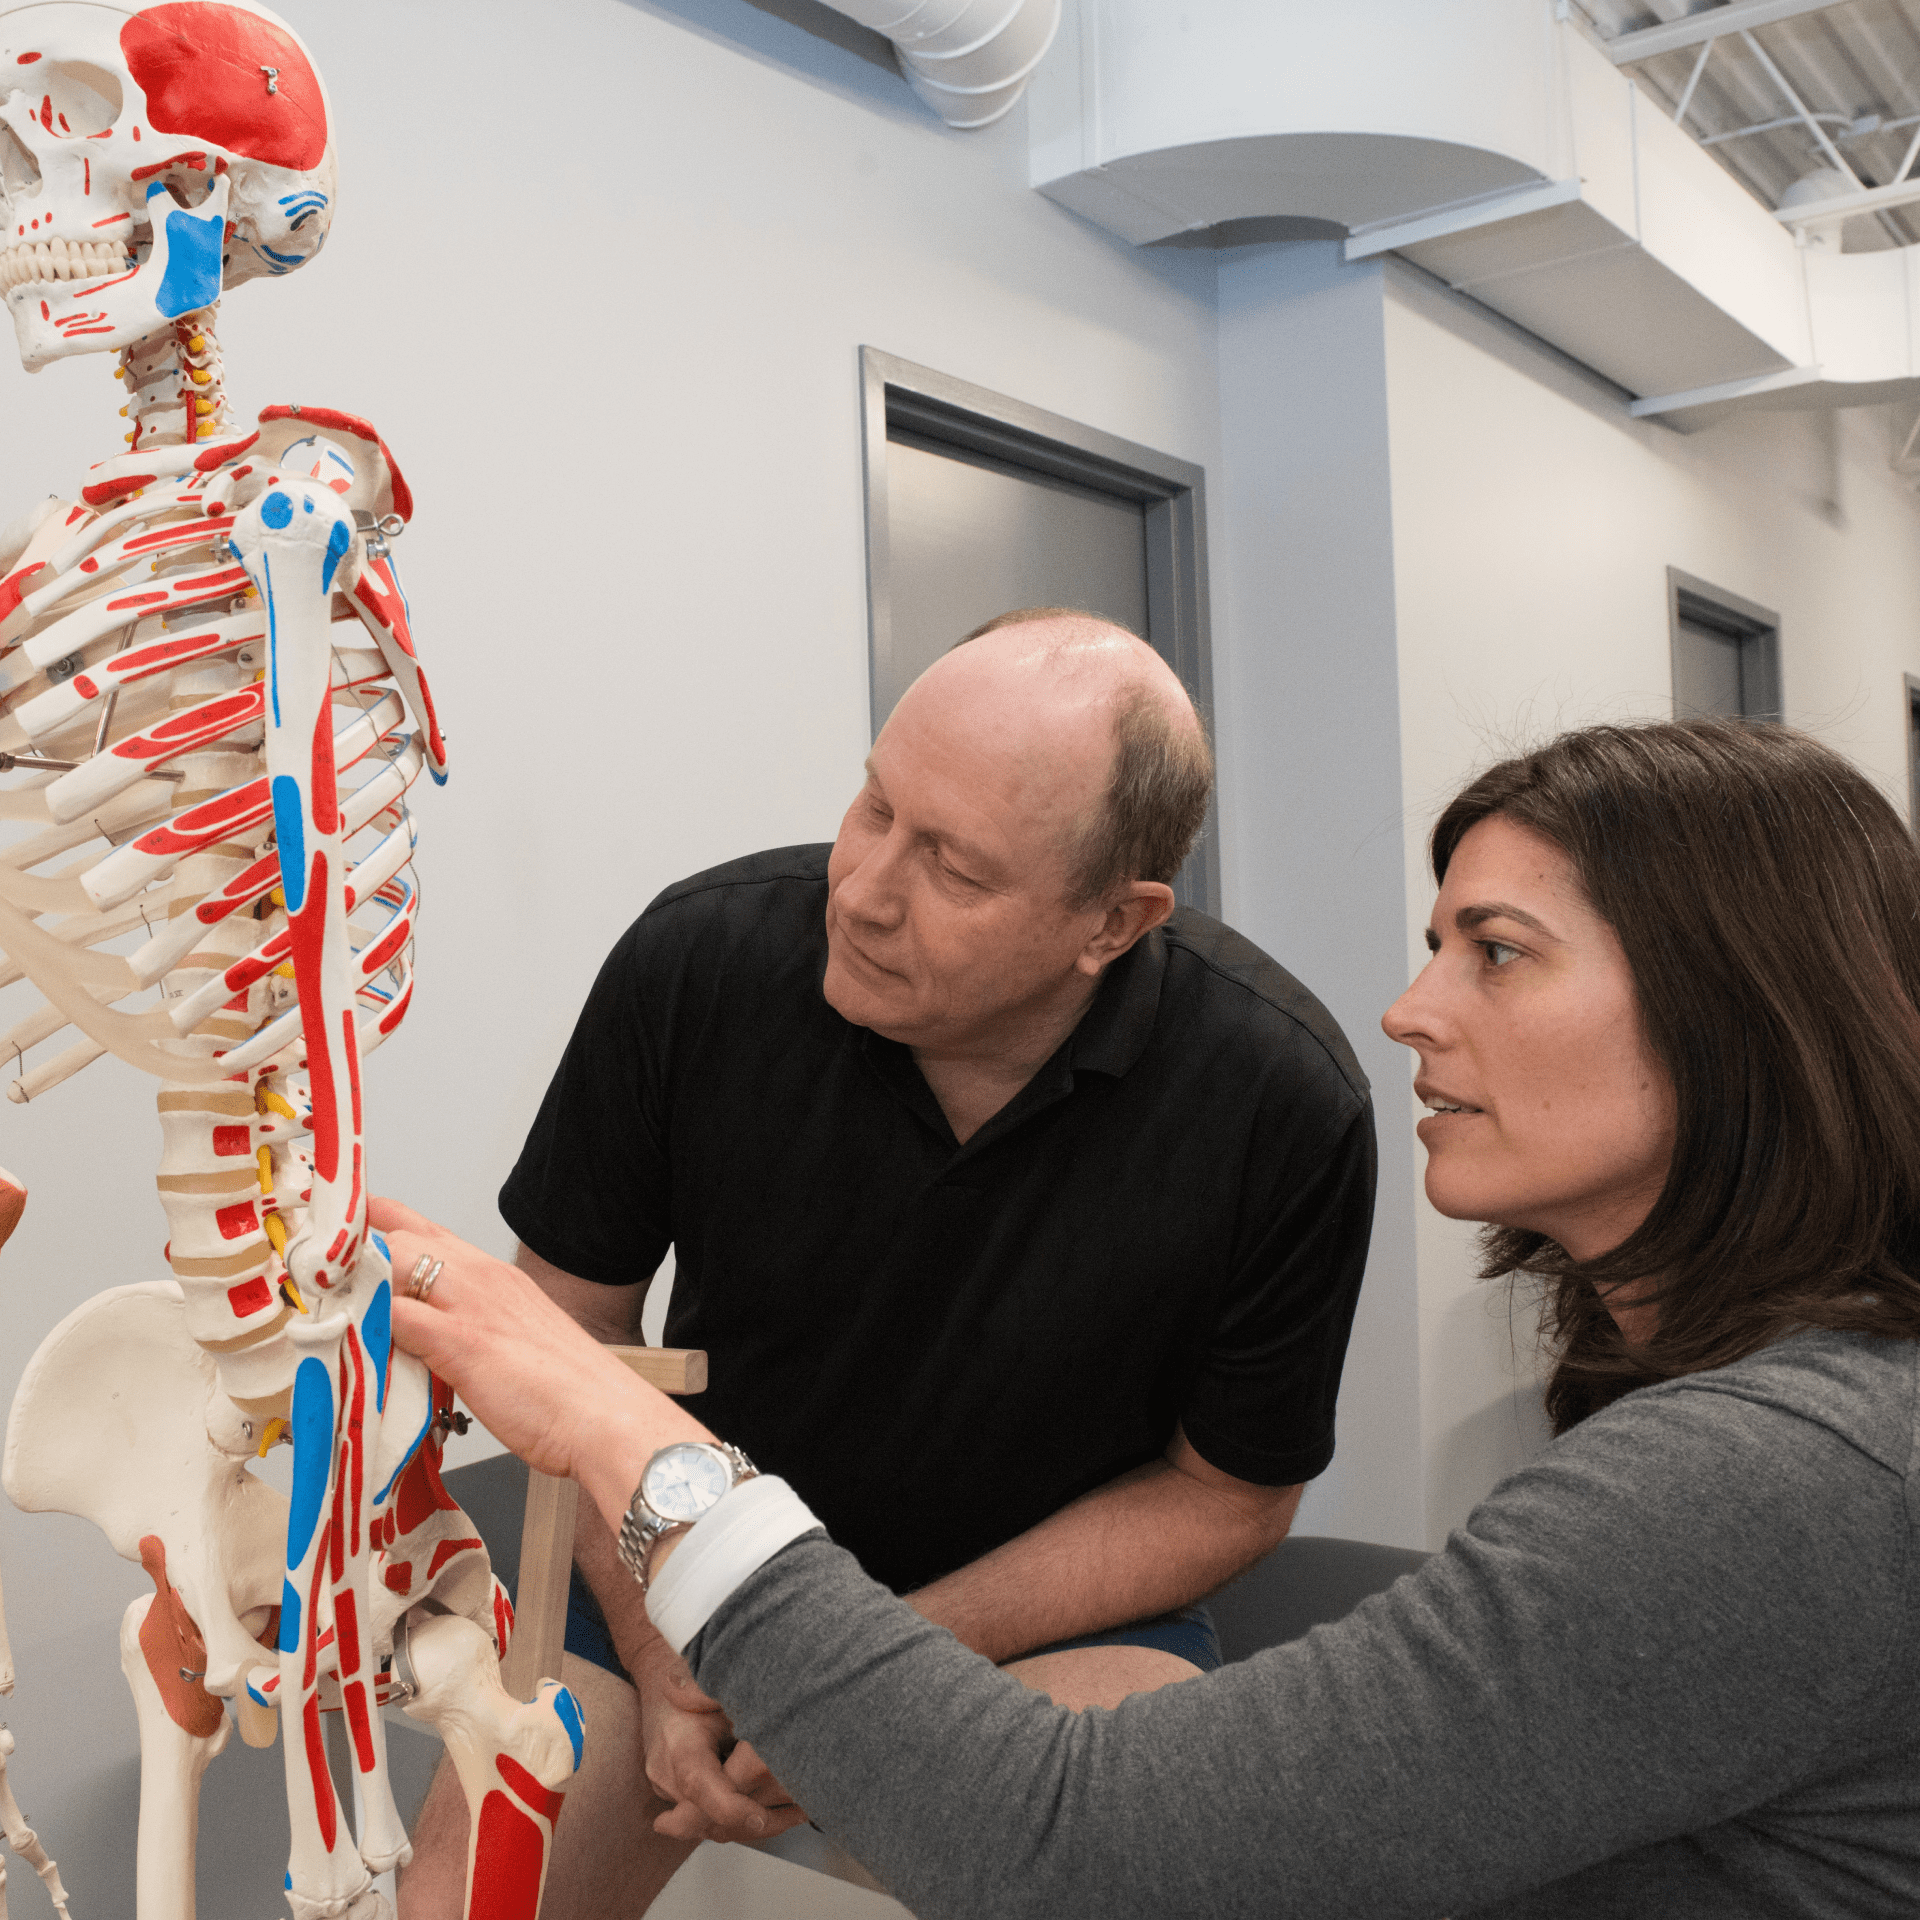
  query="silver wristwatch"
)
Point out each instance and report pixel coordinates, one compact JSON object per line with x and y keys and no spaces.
{"x":677,"y":1486}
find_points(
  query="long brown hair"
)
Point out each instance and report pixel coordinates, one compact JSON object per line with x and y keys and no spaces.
{"x":1767,"y":899}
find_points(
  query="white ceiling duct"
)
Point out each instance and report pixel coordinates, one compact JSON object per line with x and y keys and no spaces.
{"x":967,"y":59}
{"x":1500,"y":148}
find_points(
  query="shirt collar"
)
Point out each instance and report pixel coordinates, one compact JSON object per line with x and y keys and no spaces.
{"x":1111,"y":1035}
{"x":1115,"y":1030}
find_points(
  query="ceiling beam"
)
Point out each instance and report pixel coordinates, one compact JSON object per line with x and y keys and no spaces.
{"x":1903,"y":193}
{"x":1739,"y":16}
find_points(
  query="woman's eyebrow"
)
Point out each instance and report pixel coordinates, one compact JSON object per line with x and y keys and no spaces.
{"x":1469,"y":918}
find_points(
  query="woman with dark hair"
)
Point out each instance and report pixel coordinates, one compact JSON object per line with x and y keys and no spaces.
{"x":1669,"y":1043}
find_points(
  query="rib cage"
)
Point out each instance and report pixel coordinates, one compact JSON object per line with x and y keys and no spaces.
{"x":109,"y":616}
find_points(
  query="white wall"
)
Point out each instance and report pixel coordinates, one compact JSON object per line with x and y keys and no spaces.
{"x":600,"y":275}
{"x":1533,"y":523}
{"x":1305,"y":677}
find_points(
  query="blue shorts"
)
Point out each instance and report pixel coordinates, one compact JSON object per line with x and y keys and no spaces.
{"x":1188,"y":1634}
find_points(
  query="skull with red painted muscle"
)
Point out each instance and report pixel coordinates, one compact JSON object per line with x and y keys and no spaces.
{"x":150,"y":154}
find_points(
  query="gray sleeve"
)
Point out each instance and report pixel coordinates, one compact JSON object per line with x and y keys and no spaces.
{"x":1684,"y":1608}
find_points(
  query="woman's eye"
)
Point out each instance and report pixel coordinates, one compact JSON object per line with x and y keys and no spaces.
{"x":1498,"y":952}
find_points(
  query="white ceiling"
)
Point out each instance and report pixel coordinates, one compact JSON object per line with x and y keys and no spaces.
{"x":1855,"y":65}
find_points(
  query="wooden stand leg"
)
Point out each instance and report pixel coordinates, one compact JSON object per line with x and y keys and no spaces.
{"x":546,"y":1536}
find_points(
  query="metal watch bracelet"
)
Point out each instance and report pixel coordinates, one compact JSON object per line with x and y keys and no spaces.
{"x":642,"y":1529}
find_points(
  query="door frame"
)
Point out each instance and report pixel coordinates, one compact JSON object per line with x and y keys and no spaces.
{"x":936,"y":407}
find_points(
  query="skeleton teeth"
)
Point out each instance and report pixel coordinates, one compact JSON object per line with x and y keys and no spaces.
{"x":55,"y":260}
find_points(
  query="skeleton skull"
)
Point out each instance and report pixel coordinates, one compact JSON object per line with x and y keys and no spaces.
{"x":151,"y":153}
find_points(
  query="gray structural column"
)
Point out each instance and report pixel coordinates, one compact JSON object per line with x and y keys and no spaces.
{"x":1307,"y":692}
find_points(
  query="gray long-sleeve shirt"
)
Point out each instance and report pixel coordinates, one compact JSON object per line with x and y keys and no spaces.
{"x":1670,"y":1669}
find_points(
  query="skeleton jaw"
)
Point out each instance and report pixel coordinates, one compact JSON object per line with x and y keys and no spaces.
{"x":55,"y":317}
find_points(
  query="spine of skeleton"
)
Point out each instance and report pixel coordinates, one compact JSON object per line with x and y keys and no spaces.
{"x":229,"y":1173}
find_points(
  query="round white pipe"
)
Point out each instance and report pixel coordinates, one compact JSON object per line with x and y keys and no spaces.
{"x":967,"y":59}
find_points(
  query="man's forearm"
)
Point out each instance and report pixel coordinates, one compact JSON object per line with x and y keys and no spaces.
{"x":612,"y":1316}
{"x":1142,"y":1545}
{"x":621,"y":1601}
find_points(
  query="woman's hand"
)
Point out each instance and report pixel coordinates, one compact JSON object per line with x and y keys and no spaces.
{"x":536,"y":1380}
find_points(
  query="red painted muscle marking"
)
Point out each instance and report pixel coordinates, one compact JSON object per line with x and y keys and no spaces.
{"x":189,"y":535}
{"x":228,"y":1140}
{"x":235,"y":1223}
{"x":239,"y":890}
{"x":197,"y":161}
{"x":509,"y":1860}
{"x":314,"y":1640}
{"x":256,"y":966}
{"x":198,"y":62}
{"x":105,"y":492}
{"x":361,"y":430}
{"x":356,"y":1437}
{"x":84,"y":687}
{"x":230,"y":577}
{"x":376,"y":592}
{"x":220,"y":454}
{"x":309,"y":935}
{"x":135,"y":600}
{"x":193,"y":727}
{"x":502,"y":1620}
{"x":317,"y":1772}
{"x":337,"y":1530}
{"x":346,"y":1616}
{"x":356,"y":1692}
{"x":157,"y":658}
{"x":445,"y":1550}
{"x":323,"y":799}
{"x":26,"y":60}
{"x":350,"y":1042}
{"x":202,"y":825}
{"x":377,"y":957}
{"x":400,"y":1577}
{"x":249,"y":1297}
{"x":395,"y":1013}
{"x":542,"y":1799}
{"x":420,"y":1494}
{"x":13,"y":588}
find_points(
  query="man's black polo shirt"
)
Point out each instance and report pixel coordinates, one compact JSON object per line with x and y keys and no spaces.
{"x":940,"y":1345}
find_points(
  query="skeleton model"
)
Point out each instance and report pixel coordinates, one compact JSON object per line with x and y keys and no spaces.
{"x":210,"y":716}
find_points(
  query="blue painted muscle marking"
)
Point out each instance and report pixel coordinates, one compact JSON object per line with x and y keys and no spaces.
{"x":277,"y":509}
{"x":289,"y":1621}
{"x":413,"y":1447}
{"x":273,"y":639}
{"x":312,"y":1454}
{"x":380,"y":1241}
{"x":376,"y":1329}
{"x":568,"y":1708}
{"x":192,"y":278}
{"x":338,"y":541}
{"x":291,"y":828}
{"x":285,"y":259}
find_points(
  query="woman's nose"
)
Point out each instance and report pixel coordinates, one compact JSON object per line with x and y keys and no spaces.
{"x":1409,"y":1019}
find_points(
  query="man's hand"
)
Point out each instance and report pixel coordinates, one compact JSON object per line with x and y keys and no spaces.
{"x":720,"y":1789}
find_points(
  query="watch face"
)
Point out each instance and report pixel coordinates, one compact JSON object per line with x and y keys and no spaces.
{"x":682,"y":1482}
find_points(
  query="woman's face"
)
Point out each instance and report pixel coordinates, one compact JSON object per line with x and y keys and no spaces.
{"x":1547,"y":1109}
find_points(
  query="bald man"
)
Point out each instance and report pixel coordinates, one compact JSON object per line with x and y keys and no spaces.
{"x":1021,"y":1214}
